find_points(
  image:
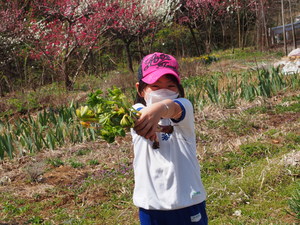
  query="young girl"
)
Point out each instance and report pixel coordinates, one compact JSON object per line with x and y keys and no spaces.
{"x":168,"y":188}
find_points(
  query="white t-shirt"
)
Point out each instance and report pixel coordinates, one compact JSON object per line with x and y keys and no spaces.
{"x":168,"y":178}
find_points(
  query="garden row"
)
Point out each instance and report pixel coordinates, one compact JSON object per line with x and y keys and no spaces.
{"x":54,"y":128}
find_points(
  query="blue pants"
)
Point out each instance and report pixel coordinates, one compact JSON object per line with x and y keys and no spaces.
{"x":193,"y":215}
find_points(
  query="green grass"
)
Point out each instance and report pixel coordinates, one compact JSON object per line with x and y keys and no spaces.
{"x":246,"y":54}
{"x":252,"y":190}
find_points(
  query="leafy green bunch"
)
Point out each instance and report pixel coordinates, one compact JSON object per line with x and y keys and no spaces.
{"x":110,"y":114}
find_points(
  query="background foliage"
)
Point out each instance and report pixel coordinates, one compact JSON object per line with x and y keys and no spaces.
{"x":43,"y":42}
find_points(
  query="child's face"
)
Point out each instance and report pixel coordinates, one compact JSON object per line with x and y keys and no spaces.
{"x":161,"y":83}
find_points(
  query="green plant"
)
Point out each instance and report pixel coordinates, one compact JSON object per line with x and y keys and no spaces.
{"x":257,"y":110}
{"x":270,"y":82}
{"x":293,"y":137}
{"x":76,"y":164}
{"x":230,"y":97}
{"x":239,"y":126}
{"x":81,"y":152}
{"x":271,"y":133}
{"x":258,"y":149}
{"x":48,"y":129}
{"x":294,"y":107}
{"x":109,"y":115}
{"x":93,"y":162}
{"x":294,"y":203}
{"x":35,"y":220}
{"x":17,"y":104}
{"x":205,"y":59}
{"x":212,"y":90}
{"x":10,"y":208}
{"x":6,"y":145}
{"x":55,"y":162}
{"x":248,"y":91}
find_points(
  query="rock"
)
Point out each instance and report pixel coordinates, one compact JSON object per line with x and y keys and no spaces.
{"x":295,"y":52}
{"x":291,"y":67}
{"x":237,"y":213}
{"x":281,"y":63}
{"x":290,"y":64}
{"x":292,"y":159}
{"x":4,"y":180}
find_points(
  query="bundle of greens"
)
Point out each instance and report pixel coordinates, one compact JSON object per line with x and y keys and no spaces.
{"x":109,"y":114}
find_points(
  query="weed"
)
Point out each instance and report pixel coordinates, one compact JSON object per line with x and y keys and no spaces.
{"x":10,"y":208}
{"x":294,"y":203}
{"x":60,"y":214}
{"x":93,"y":162}
{"x":16,"y":104}
{"x":76,"y":164}
{"x":295,"y":107}
{"x":55,"y":162}
{"x":212,"y":124}
{"x":239,"y":126}
{"x":271,"y":133}
{"x":258,"y":150}
{"x":257,"y":110}
{"x":35,"y":171}
{"x":293,"y":137}
{"x":35,"y":220}
{"x":291,"y":98}
{"x":82,"y":152}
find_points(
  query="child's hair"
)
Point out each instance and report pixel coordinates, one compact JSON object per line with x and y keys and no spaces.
{"x":143,"y":85}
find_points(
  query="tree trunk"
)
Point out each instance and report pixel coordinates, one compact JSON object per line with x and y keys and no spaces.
{"x":293,"y":27}
{"x":257,"y":27}
{"x":265,"y":29}
{"x":238,"y":25}
{"x":129,"y":57}
{"x":194,"y":39}
{"x":65,"y":71}
{"x":283,"y":26}
{"x":223,"y":34}
{"x":68,"y":82}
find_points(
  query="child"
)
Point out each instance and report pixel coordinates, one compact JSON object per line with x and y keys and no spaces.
{"x":168,"y":188}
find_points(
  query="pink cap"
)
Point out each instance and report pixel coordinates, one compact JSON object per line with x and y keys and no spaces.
{"x":156,"y":65}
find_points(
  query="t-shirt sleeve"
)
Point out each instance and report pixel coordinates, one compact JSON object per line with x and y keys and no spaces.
{"x":186,"y":107}
{"x":186,"y":121}
{"x":138,"y":106}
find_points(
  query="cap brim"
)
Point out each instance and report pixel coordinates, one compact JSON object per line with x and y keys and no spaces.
{"x":155,"y":75}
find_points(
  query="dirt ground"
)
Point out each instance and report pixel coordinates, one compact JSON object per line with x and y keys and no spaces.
{"x":31,"y":177}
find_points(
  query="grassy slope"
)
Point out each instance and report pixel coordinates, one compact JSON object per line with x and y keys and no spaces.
{"x":242,"y":153}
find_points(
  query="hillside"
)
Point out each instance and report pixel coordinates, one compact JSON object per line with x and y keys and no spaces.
{"x":249,"y":154}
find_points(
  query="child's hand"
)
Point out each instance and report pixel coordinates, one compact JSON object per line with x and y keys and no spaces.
{"x":147,"y":124}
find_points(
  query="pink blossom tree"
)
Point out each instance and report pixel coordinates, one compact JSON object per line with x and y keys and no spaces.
{"x":137,"y":18}
{"x":11,"y":28}
{"x":62,"y":30}
{"x":58,"y":32}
